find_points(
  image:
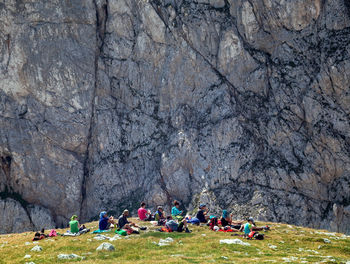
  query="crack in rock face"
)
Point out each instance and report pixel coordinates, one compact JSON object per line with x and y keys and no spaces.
{"x":243,"y":105}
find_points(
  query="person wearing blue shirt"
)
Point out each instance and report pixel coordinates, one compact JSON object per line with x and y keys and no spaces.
{"x":175,"y":210}
{"x":105,"y":221}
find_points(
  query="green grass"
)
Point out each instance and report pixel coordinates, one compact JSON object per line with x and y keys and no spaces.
{"x":294,"y":244}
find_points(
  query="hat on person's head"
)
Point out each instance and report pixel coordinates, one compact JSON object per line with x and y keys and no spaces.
{"x":202,"y":205}
{"x":102,"y":214}
{"x":159,"y":207}
{"x":125,"y":211}
{"x":251,"y":219}
{"x":73,"y":217}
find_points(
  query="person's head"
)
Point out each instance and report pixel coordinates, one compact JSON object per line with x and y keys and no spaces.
{"x":224,"y":213}
{"x":176,"y":204}
{"x":43,"y":230}
{"x":103,"y":214}
{"x":126,"y":212}
{"x":169,"y":218}
{"x":143,"y":205}
{"x":74,"y":217}
{"x":202,"y":206}
{"x":251,"y":220}
{"x":160,"y":209}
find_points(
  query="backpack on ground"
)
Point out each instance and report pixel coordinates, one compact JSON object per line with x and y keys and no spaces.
{"x":53,"y":233}
{"x":121,"y":232}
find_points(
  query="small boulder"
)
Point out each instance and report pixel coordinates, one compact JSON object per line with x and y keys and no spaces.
{"x":116,"y":237}
{"x":68,"y":256}
{"x":234,"y":241}
{"x":37,"y":248}
{"x":101,"y":237}
{"x":272,"y":246}
{"x":327,"y":241}
{"x":165,"y":242}
{"x":105,"y":246}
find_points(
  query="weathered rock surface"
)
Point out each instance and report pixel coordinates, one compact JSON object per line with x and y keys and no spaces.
{"x":242,"y":104}
{"x":105,"y":247}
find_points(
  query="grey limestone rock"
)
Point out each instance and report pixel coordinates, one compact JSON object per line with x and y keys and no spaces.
{"x":105,"y":246}
{"x":243,"y":105}
{"x":68,"y":256}
{"x":37,"y":248}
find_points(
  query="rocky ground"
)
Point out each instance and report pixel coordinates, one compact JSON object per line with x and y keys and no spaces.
{"x":241,"y":104}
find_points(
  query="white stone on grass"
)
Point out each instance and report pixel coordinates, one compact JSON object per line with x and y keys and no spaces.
{"x":27,"y":256}
{"x":326,"y":233}
{"x":101,"y":237}
{"x":165,"y":242}
{"x":27,"y":243}
{"x":272,"y":246}
{"x":37,"y":248}
{"x":116,"y":237}
{"x":234,"y":241}
{"x":327,"y":241}
{"x":68,"y":256}
{"x":290,"y":259}
{"x":105,"y":246}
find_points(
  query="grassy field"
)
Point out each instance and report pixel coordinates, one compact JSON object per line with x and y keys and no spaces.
{"x":283,"y":244}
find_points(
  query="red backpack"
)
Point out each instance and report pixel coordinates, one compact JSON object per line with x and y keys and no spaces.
{"x":53,"y":233}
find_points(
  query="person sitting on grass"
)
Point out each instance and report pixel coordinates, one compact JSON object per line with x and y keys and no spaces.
{"x":75,"y":226}
{"x":250,"y":226}
{"x":144,"y":215}
{"x":159,"y":216}
{"x":202,"y":213}
{"x":105,"y":221}
{"x":175,"y":212}
{"x":226,"y":220}
{"x":123,"y":223}
{"x":173,"y":226}
{"x":247,"y":227}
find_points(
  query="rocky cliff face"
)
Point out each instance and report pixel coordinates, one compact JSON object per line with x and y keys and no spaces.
{"x":243,"y":104}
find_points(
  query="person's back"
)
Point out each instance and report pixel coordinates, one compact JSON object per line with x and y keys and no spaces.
{"x":224,"y":222}
{"x":247,"y":228}
{"x":172,"y":225}
{"x":142,"y":213}
{"x":200,"y":216}
{"x":74,"y":226}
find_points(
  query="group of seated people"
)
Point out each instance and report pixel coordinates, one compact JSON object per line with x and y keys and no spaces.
{"x":173,"y":222}
{"x":202,"y":216}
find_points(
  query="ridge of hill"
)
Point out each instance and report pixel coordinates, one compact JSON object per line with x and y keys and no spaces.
{"x":282,"y":244}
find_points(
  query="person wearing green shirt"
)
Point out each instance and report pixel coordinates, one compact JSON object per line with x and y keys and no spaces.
{"x":74,"y":224}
